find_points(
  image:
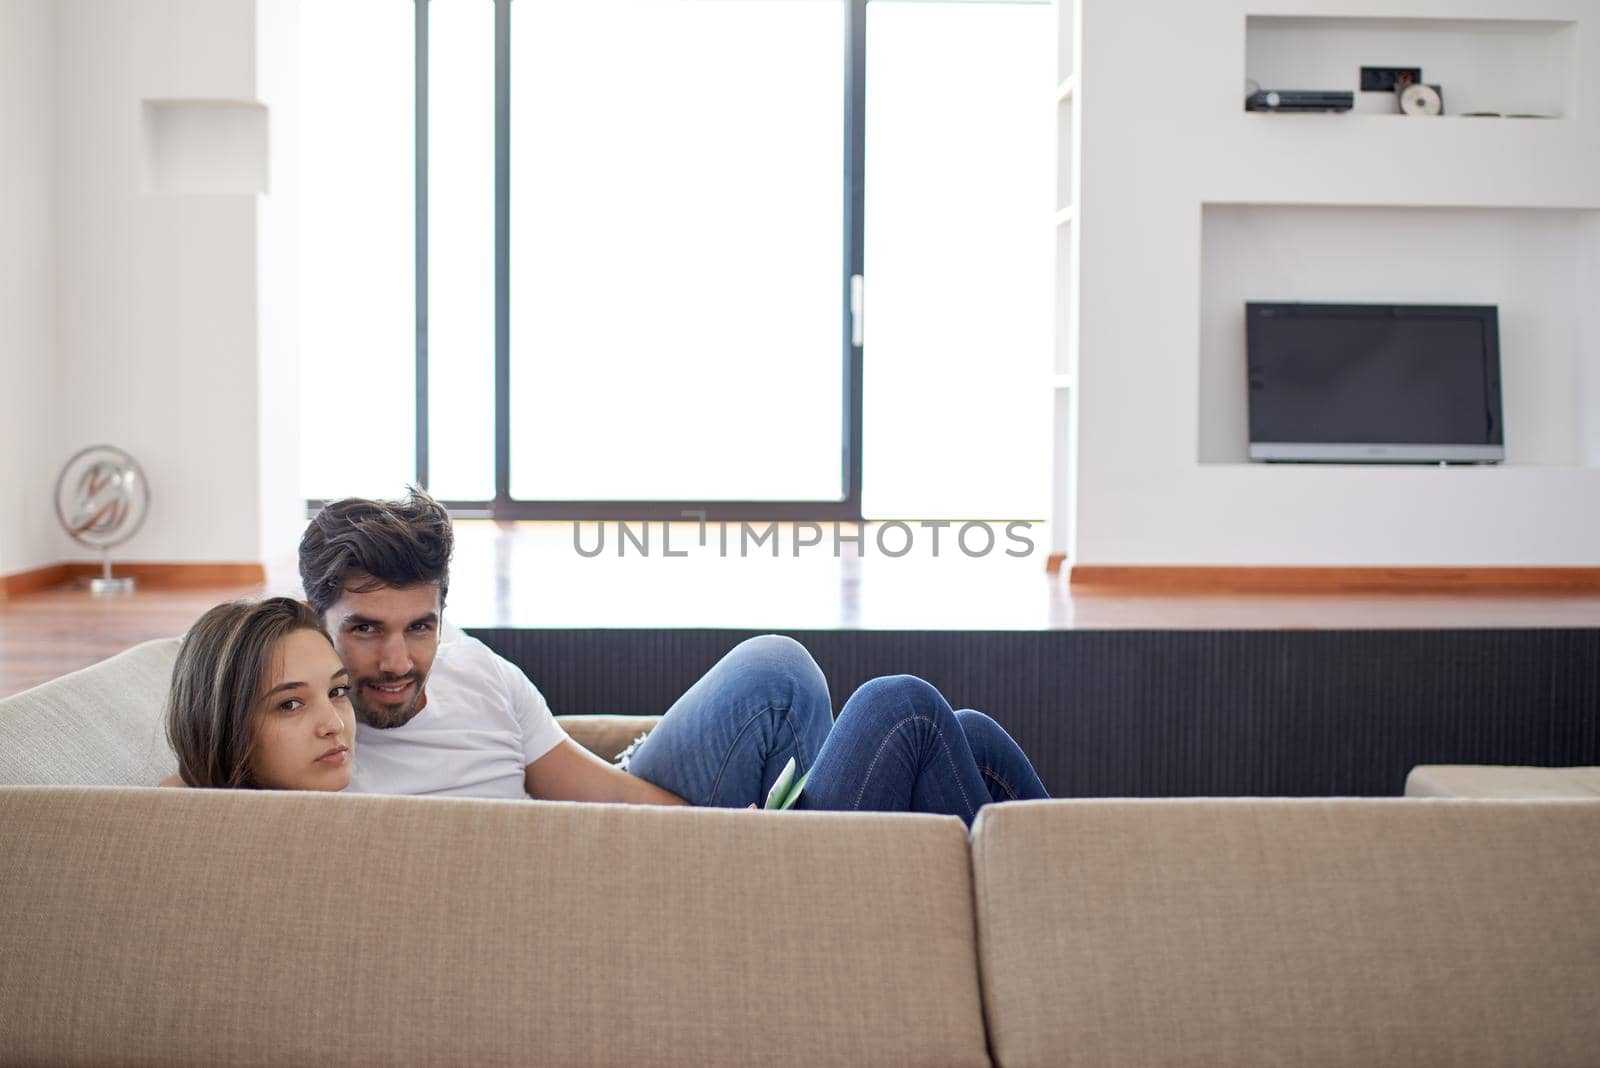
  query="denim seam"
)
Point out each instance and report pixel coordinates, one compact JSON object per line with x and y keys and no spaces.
{"x":727,"y":758}
{"x":990,"y":773}
{"x":944,"y":747}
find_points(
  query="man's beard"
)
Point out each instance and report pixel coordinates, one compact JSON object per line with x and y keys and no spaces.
{"x":383,"y":716}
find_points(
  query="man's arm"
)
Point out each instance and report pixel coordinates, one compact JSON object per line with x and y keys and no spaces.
{"x":569,"y":772}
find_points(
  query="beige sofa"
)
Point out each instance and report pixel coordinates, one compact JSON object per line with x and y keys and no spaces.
{"x":1501,"y":780}
{"x":169,"y":926}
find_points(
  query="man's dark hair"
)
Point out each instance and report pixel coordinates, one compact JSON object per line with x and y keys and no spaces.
{"x":377,"y":543}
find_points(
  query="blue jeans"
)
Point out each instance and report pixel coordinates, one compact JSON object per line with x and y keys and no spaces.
{"x":900,"y":747}
{"x":723,"y":743}
{"x":897,"y":747}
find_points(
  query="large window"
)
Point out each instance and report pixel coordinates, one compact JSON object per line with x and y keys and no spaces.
{"x":959,"y":260}
{"x":645,"y":265}
{"x":460,"y":327}
{"x":676,"y":250}
{"x":358,"y":325}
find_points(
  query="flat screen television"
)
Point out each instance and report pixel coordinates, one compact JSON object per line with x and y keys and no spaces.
{"x":1374,"y":383}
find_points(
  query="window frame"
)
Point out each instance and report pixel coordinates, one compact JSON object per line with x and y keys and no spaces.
{"x":503,"y":505}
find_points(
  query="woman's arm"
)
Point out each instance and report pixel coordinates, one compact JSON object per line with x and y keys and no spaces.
{"x":171,"y":780}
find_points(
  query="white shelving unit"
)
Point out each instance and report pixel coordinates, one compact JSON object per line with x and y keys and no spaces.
{"x":1063,"y":379}
{"x":1196,"y":206}
{"x":1505,"y":65}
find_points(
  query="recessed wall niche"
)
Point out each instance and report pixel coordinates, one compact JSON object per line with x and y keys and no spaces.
{"x":1508,"y":66}
{"x":205,"y":146}
{"x":1536,"y":264}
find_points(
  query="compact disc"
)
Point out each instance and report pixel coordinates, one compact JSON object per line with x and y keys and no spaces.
{"x":1419,"y":99}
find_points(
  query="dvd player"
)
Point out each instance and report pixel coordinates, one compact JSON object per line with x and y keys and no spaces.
{"x":1299,"y":100}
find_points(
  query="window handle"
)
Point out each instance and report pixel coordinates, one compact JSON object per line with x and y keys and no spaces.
{"x":855,"y":310}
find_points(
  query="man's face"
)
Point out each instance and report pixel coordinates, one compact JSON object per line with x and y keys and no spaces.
{"x":387,"y":638}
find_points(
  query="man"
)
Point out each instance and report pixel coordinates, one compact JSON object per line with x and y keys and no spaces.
{"x":453,"y":718}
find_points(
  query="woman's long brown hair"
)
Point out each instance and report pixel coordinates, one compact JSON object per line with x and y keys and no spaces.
{"x":219,"y":675}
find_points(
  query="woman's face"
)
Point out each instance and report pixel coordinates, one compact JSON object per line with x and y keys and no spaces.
{"x":305,"y":727}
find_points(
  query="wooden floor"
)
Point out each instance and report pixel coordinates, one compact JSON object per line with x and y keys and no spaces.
{"x":529,"y":575}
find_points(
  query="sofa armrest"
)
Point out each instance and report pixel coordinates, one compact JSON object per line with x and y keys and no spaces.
{"x":606,"y":736}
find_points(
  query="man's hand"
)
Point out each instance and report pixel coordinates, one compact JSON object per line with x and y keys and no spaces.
{"x":569,"y":772}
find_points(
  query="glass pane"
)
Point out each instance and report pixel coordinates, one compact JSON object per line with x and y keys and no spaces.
{"x":357,"y":286}
{"x":677,"y":250}
{"x":461,"y":249}
{"x":959,"y":257}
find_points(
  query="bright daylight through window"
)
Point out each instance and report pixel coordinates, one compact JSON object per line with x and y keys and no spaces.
{"x":959,"y":260}
{"x":677,"y":239}
{"x":676,"y":249}
{"x":357,"y":290}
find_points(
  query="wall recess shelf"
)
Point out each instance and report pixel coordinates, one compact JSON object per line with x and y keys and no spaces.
{"x":205,"y":146}
{"x":1510,"y":66}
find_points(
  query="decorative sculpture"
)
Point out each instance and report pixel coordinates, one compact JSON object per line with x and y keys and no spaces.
{"x":101,"y":501}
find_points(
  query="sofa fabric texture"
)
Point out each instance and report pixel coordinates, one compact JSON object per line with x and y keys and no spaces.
{"x":102,"y":725}
{"x":1272,"y":932}
{"x":208,"y":927}
{"x":1507,"y":781}
{"x":606,"y":736}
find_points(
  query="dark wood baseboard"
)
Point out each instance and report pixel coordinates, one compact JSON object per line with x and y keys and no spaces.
{"x":31,"y":581}
{"x":151,"y":575}
{"x":1054,"y":564}
{"x":1476,"y":580}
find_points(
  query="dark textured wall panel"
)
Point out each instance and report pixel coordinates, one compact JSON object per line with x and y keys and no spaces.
{"x":1167,"y":713}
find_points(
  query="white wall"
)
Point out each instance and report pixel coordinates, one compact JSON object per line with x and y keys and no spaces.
{"x":1156,"y":148}
{"x":157,"y":300}
{"x":173,"y":333}
{"x":1588,"y":284}
{"x":27,"y":283}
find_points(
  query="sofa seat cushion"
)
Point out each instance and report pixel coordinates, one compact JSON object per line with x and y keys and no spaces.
{"x":213,"y":927}
{"x":1305,"y":932}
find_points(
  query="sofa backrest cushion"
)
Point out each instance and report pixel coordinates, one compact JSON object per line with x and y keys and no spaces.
{"x":103,"y":725}
{"x":210,"y":927}
{"x":1308,"y":932}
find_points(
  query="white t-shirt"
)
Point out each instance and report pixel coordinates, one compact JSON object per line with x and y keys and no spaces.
{"x":484,"y":723}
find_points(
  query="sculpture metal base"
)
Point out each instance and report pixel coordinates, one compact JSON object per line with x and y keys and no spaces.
{"x":106,"y":585}
{"x":110,"y":587}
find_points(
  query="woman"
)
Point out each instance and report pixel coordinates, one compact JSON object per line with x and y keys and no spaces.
{"x":259,"y":700}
